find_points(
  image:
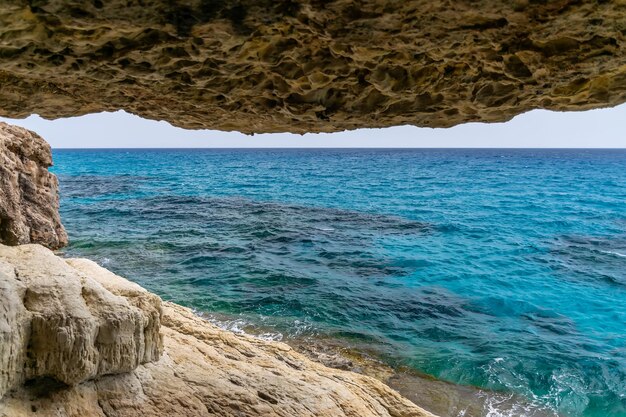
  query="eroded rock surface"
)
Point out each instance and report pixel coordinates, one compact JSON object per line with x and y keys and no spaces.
{"x":101,"y":355}
{"x":29,"y":200}
{"x":310,"y":65}
{"x":59,"y":326}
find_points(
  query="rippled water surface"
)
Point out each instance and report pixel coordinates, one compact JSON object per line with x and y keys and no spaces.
{"x":504,"y":270}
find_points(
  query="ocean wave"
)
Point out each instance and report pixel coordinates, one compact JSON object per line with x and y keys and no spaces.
{"x":586,"y":258}
{"x":621,"y":255}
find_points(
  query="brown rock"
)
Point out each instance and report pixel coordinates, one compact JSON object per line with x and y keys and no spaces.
{"x":310,"y":65}
{"x":29,"y":200}
{"x":204,"y":371}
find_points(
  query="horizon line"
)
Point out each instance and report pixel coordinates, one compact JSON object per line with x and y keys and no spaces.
{"x":340,"y":148}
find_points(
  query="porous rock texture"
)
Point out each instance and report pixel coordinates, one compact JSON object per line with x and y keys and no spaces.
{"x":29,"y":199}
{"x":310,"y":65}
{"x":60,"y":326}
{"x":77,"y":340}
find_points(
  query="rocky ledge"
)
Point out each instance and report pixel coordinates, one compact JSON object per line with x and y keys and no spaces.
{"x":310,"y":65}
{"x":29,"y":200}
{"x":77,"y":340}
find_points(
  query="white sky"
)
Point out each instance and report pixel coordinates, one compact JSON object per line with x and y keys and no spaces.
{"x":605,"y":128}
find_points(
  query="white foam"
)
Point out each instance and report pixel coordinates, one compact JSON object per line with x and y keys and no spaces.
{"x":510,"y":404}
{"x":237,"y":326}
{"x":621,"y":255}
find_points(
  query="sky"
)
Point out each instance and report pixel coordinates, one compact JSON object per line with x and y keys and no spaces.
{"x":603,"y":128}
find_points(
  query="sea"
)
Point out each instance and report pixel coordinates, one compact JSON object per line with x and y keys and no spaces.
{"x":497,"y":273}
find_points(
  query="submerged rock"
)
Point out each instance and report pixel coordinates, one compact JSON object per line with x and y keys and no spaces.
{"x":29,"y":200}
{"x":77,"y":340}
{"x":310,"y":65}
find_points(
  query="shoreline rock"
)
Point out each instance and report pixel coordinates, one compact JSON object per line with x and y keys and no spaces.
{"x":203,"y":370}
{"x":29,"y":199}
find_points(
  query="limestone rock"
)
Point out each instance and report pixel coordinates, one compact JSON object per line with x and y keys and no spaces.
{"x":29,"y":200}
{"x":59,"y":325}
{"x":310,"y":65}
{"x":204,"y":371}
{"x":14,"y":329}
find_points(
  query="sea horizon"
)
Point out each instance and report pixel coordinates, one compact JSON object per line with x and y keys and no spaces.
{"x":340,"y":148}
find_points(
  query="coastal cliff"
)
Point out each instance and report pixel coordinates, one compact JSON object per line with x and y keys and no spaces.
{"x":310,"y":65}
{"x":29,"y":200}
{"x":77,"y":340}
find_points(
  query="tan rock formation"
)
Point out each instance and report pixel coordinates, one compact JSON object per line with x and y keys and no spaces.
{"x":310,"y":65}
{"x":29,"y":200}
{"x":58,"y":324}
{"x":100,"y":355}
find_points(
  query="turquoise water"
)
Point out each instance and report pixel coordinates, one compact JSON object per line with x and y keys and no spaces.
{"x":501,"y":269}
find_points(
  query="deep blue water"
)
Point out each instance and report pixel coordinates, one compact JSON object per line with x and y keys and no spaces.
{"x":502,"y":269}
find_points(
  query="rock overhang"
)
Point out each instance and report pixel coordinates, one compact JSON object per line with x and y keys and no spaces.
{"x":310,"y":65}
